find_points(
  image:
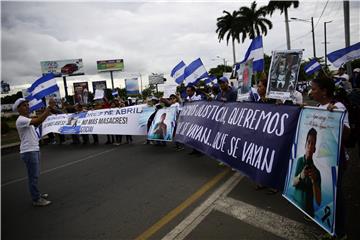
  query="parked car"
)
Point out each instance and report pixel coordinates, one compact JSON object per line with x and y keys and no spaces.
{"x":69,"y":68}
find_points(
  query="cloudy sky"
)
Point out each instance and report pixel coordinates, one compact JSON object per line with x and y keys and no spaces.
{"x":151,"y":36}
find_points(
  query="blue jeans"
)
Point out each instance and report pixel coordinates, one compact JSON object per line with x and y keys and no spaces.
{"x":32,"y":162}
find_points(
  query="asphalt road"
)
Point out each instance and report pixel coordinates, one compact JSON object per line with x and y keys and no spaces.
{"x":146,"y":191}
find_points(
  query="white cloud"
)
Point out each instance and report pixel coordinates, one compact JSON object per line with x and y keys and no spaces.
{"x":149,"y":36}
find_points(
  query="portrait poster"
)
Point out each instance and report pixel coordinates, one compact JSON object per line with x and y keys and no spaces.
{"x":163,"y":126}
{"x":81,"y":92}
{"x":283,"y":74}
{"x":313,"y":169}
{"x":245,"y":74}
{"x":98,"y":85}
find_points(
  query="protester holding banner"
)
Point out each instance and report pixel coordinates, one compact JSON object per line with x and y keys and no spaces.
{"x":227,"y":93}
{"x":261,"y":91}
{"x":55,"y":110}
{"x":191,"y":94}
{"x":322,"y":91}
{"x":29,"y":147}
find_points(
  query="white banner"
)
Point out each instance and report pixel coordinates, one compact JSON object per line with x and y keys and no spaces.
{"x":115,"y":121}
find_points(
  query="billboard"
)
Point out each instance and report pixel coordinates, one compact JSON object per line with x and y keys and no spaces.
{"x":110,"y":65}
{"x":71,"y":67}
{"x":81,"y":92}
{"x":156,"y":78}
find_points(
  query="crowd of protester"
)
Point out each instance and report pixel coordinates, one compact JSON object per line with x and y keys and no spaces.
{"x":337,"y":92}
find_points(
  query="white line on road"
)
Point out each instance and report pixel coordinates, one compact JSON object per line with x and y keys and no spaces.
{"x":60,"y":167}
{"x":268,"y":221}
{"x":189,"y":223}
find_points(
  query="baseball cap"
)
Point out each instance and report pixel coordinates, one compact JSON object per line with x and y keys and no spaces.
{"x":17,"y":103}
{"x":357,"y":70}
{"x":223,"y":79}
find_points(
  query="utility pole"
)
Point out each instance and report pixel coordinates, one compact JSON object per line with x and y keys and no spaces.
{"x":112,"y":80}
{"x":312,"y":30}
{"x":65,"y":87}
{"x":313,"y":35}
{"x":326,"y":66}
{"x":347,"y":32}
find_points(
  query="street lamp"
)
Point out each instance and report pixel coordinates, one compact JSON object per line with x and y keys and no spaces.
{"x":325,"y":42}
{"x":224,"y":59}
{"x":312,"y":30}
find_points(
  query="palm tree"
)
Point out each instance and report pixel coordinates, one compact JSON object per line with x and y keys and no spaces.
{"x":230,"y":26}
{"x":255,"y":20}
{"x":283,"y":7}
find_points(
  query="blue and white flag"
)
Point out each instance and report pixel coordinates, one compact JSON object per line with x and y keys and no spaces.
{"x":194,"y":72}
{"x":44,"y":86}
{"x":178,"y":72}
{"x":115,"y":93}
{"x":312,"y":67}
{"x":34,"y":104}
{"x":209,"y":79}
{"x":256,"y":52}
{"x":344,"y":55}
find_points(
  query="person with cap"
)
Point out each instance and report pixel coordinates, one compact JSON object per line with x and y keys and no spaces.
{"x":29,"y":147}
{"x":342,"y":79}
{"x":227,"y":93}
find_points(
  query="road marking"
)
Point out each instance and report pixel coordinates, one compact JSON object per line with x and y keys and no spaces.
{"x":268,"y":221}
{"x":60,"y":167}
{"x":176,"y":211}
{"x":195,"y":218}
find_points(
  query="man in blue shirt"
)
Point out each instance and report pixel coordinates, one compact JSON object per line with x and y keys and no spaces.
{"x":227,"y":93}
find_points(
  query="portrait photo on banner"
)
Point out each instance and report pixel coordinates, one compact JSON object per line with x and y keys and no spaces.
{"x":312,"y":176}
{"x":283,"y":74}
{"x":245,"y":74}
{"x":163,"y":125}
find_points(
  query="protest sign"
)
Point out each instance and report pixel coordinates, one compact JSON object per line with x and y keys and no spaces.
{"x":169,"y":89}
{"x":312,"y":176}
{"x":99,"y":85}
{"x":283,"y":74}
{"x":81,"y":92}
{"x":254,"y":138}
{"x":132,"y":86}
{"x":116,"y":121}
{"x":244,"y":80}
{"x":163,"y":125}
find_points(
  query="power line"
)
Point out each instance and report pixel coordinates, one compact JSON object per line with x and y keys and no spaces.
{"x":321,"y":14}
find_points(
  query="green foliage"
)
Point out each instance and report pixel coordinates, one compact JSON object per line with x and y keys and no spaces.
{"x":4,"y":127}
{"x":159,"y":94}
{"x":10,"y":99}
{"x":219,"y":70}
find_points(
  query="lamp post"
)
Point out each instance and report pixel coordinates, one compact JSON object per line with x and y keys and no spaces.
{"x":224,"y":59}
{"x":325,"y":42}
{"x":312,"y":30}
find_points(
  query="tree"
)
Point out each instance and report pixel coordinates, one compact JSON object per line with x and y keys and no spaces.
{"x":254,"y":20}
{"x":230,"y":26}
{"x":283,"y":7}
{"x":219,"y":70}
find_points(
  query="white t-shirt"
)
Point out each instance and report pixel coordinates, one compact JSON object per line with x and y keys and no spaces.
{"x":341,"y":106}
{"x":28,"y":136}
{"x":193,"y":98}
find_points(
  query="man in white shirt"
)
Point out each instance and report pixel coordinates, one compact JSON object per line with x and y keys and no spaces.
{"x":191,"y":94}
{"x":29,"y":147}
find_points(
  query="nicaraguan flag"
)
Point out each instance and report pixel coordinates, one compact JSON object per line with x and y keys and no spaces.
{"x":44,"y":86}
{"x":115,"y":93}
{"x":256,"y":52}
{"x":344,"y":55}
{"x":312,"y":67}
{"x":178,"y":72}
{"x":194,"y":72}
{"x":209,"y":79}
{"x":34,"y":104}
